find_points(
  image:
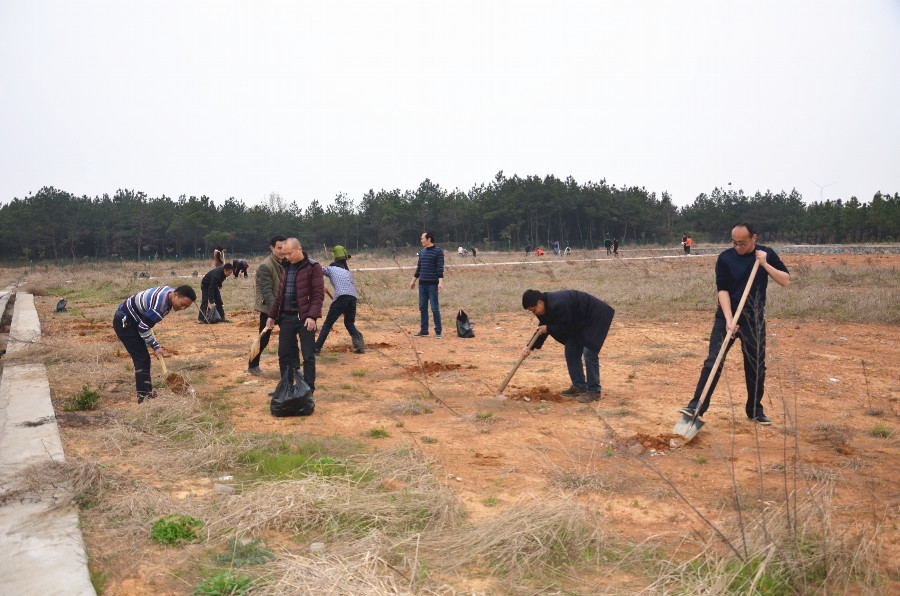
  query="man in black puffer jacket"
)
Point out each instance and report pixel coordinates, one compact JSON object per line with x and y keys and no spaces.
{"x":211,"y":287}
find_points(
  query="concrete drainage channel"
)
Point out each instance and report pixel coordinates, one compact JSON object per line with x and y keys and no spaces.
{"x":43,"y":551}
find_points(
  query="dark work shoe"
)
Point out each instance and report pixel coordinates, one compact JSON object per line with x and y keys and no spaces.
{"x":255,"y":371}
{"x":588,"y":396}
{"x":688,"y":411}
{"x":438,"y":336}
{"x":572,"y":391}
{"x":762,"y":419}
{"x":420,"y":334}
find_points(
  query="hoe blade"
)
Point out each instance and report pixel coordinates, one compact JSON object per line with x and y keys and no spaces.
{"x":688,"y":427}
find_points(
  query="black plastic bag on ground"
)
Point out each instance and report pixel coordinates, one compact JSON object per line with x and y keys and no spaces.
{"x":213,"y":316}
{"x":292,"y":396}
{"x":464,"y":325}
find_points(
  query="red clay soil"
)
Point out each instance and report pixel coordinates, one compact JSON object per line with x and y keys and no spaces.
{"x":659,"y":443}
{"x":539,"y":393}
{"x":431,"y":368}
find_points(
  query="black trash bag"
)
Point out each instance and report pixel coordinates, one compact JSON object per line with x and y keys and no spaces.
{"x":464,"y":325}
{"x":292,"y":396}
{"x":213,"y":316}
{"x":61,"y":305}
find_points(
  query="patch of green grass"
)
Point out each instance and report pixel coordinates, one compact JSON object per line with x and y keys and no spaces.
{"x":482,"y":416}
{"x":175,"y":529}
{"x":490,"y":502}
{"x":608,"y":451}
{"x":700,"y":459}
{"x":224,"y":583}
{"x":242,"y":555}
{"x":881,"y":431}
{"x":358,"y":372}
{"x":86,"y":400}
{"x":428,"y":440}
{"x":294,"y":459}
{"x":98,"y":581}
{"x":472,"y":366}
{"x":379,"y":433}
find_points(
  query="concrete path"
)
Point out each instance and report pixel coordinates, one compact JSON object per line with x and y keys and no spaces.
{"x":41,"y":548}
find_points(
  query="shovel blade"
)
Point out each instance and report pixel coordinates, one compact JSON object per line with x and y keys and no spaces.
{"x":688,"y":427}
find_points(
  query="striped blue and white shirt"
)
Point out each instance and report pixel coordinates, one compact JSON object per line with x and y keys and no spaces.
{"x":342,"y":280}
{"x":146,"y":309}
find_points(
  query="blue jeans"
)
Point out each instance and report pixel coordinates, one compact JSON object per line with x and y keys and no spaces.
{"x":574,"y":354}
{"x":429,"y":293}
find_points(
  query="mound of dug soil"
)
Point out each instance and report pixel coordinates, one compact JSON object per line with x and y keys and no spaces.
{"x":540,"y":393}
{"x":432,"y":367}
{"x":659,"y":443}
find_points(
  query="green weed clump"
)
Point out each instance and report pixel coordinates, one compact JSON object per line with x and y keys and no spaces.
{"x":86,"y":400}
{"x":881,"y":431}
{"x":379,"y":433}
{"x":242,"y":555}
{"x":176,"y":529}
{"x":224,"y":583}
{"x":294,"y":459}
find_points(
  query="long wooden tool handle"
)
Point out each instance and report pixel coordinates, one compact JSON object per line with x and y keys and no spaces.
{"x":162,"y":362}
{"x":737,"y":314}
{"x":509,"y":377}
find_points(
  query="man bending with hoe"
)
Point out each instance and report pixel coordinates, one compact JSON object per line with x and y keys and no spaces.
{"x":732,"y":273}
{"x":298,"y":303}
{"x":134,"y":320}
{"x":580,"y":322}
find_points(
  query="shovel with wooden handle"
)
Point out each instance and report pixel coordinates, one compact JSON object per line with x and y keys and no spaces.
{"x":689,"y":426}
{"x":175,"y":382}
{"x":509,"y":377}
{"x":254,"y":349}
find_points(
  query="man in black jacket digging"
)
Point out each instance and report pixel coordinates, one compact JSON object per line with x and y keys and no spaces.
{"x":580,"y":322}
{"x":211,"y":291}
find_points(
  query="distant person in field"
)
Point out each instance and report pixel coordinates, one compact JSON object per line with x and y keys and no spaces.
{"x":539,"y":252}
{"x":688,"y":242}
{"x":430,"y":275}
{"x":268,"y":280}
{"x":211,"y":290}
{"x":343,"y":302}
{"x":240,"y":266}
{"x":568,"y":251}
{"x":218,"y":256}
{"x":527,"y":249}
{"x":133,"y":324}
{"x":580,"y":322}
{"x":732,"y":273}
{"x":474,"y":252}
{"x":608,"y":244}
{"x":615,"y":246}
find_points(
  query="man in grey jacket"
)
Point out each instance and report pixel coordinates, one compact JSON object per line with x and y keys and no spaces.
{"x":268,"y":280}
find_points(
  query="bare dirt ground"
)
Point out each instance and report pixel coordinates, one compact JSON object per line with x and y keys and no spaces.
{"x":837,"y":382}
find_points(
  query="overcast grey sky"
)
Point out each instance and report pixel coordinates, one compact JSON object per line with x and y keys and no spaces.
{"x":310,"y":99}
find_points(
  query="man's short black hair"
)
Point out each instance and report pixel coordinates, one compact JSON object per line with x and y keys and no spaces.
{"x":530,"y":298}
{"x":276,"y":239}
{"x":744,"y":224}
{"x":186,"y":292}
{"x":227,"y":266}
{"x":429,"y":236}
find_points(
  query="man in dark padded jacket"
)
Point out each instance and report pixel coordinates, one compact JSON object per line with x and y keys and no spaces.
{"x":580,"y":322}
{"x":298,"y":303}
{"x":211,"y":291}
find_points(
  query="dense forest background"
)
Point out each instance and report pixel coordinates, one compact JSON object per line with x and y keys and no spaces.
{"x":508,"y":213}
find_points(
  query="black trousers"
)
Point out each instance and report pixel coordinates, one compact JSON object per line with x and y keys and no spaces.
{"x":342,"y":305}
{"x":289,"y":352}
{"x":752,"y":333}
{"x":127,"y":332}
{"x":263,"y":341}
{"x":209,"y":294}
